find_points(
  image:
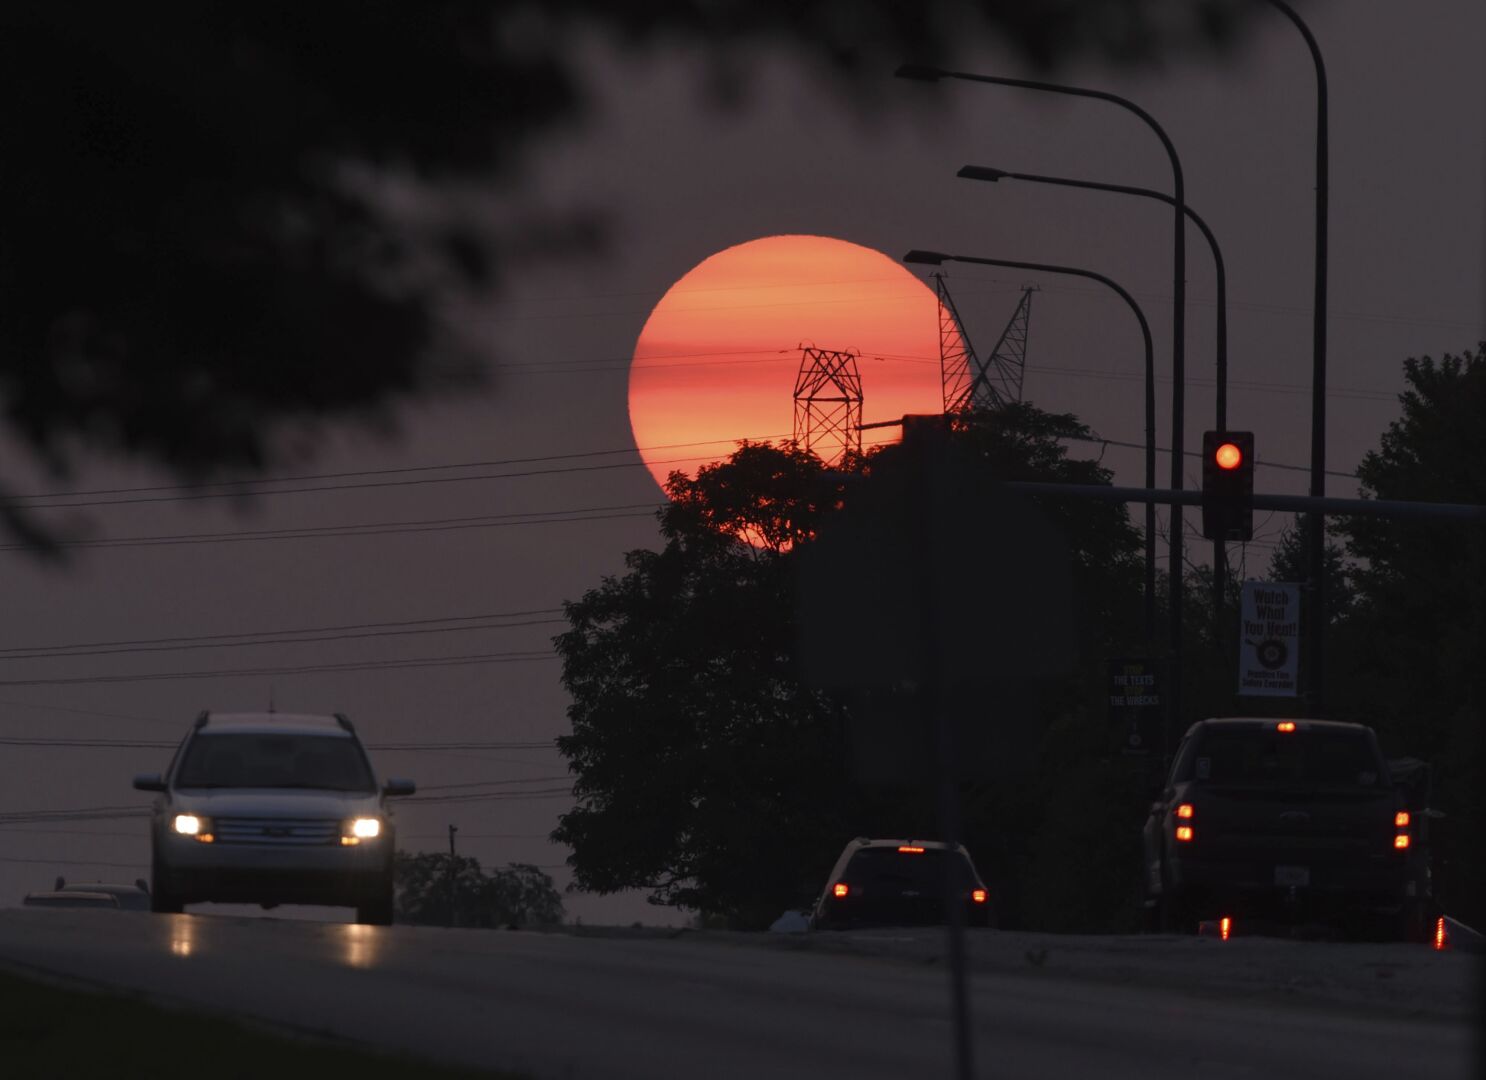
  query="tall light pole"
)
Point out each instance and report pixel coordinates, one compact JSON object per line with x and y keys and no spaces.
{"x":935,"y":258}
{"x":926,"y":73}
{"x":1316,"y":521}
{"x":1220,"y":352}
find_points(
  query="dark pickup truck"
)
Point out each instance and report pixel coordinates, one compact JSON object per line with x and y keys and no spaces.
{"x":1290,"y":822}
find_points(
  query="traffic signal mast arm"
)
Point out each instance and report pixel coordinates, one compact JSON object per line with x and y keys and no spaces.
{"x":1325,"y":504}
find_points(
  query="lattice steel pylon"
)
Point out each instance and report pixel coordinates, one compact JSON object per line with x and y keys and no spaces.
{"x":828,"y":404}
{"x":969,"y":382}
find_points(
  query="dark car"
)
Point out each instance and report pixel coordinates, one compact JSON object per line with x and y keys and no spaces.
{"x":899,"y":883}
{"x":1289,"y":822}
{"x":71,"y":899}
{"x":134,"y":897}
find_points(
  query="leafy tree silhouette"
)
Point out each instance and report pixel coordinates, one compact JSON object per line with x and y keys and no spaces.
{"x":194,"y":258}
{"x":708,"y":774}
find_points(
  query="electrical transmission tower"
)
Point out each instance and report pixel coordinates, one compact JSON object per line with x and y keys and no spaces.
{"x":972,"y":383}
{"x":828,"y":404}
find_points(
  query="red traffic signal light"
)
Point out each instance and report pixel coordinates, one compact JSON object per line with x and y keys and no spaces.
{"x":1228,"y":485}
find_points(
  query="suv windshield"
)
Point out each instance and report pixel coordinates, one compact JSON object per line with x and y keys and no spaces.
{"x":274,"y":761}
{"x":1255,"y":756}
{"x":889,"y":868}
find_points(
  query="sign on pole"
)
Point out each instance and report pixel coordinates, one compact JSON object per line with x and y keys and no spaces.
{"x":1136,"y":704}
{"x":1269,"y":640}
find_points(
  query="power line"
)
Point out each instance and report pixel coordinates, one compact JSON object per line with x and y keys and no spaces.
{"x":334,"y":628}
{"x":396,"y":664}
{"x":73,"y":862}
{"x":491,"y":783}
{"x":499,"y":796}
{"x":337,"y":531}
{"x":161,"y":744}
{"x":287,"y":641}
{"x":485,"y":464}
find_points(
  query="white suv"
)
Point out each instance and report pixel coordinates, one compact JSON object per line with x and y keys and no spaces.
{"x":272,"y":808}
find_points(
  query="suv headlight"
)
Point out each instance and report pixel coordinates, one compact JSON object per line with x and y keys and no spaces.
{"x":195,"y":826}
{"x":359,"y":829}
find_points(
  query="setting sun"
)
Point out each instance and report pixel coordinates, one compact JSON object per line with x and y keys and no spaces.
{"x":717,"y":359}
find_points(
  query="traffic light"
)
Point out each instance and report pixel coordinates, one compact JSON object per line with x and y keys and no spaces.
{"x":1228,"y":485}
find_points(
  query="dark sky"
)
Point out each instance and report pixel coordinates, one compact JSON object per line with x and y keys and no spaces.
{"x":681,"y":181}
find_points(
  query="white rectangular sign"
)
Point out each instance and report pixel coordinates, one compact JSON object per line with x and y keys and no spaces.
{"x":1269,"y":640}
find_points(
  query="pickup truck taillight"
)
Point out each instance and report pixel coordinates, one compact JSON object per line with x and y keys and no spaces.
{"x":1185,"y":812}
{"x":1401,"y":838}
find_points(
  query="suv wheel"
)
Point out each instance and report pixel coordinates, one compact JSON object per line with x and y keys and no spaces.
{"x":376,"y":910}
{"x":162,"y":900}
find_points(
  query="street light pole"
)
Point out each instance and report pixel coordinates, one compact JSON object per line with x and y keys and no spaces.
{"x":926,"y":73}
{"x":981,"y":172}
{"x":1316,"y":528}
{"x":935,"y":258}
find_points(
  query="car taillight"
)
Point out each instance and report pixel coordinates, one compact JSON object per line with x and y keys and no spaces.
{"x":1440,"y":939}
{"x":1184,"y":833}
{"x":1285,"y":725}
{"x":1185,"y":811}
{"x":910,"y":849}
{"x":1225,"y":927}
{"x":1401,"y":841}
{"x":1401,"y":819}
{"x":840,"y":889}
{"x":978,"y":895}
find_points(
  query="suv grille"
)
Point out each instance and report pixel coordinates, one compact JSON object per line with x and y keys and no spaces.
{"x":289,"y":832}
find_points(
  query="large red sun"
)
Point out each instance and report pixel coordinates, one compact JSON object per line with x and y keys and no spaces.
{"x":717,"y":359}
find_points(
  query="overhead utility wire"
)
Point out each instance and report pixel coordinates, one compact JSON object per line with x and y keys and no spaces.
{"x":444,"y":661}
{"x":60,"y":654}
{"x":322,"y":532}
{"x":346,"y":487}
{"x":399,"y":470}
{"x":170,"y":744}
{"x":333,"y":628}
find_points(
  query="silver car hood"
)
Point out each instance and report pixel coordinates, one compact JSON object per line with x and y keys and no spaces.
{"x":275,"y":803}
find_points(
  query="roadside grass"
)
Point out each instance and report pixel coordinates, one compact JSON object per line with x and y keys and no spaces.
{"x":49,"y":1031}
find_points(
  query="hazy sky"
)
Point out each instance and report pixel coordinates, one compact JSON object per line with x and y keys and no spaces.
{"x":681,"y":182}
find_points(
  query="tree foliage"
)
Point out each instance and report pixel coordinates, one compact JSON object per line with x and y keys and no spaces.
{"x":1409,"y":660}
{"x":201,"y":259}
{"x":517,"y":895}
{"x":706,"y":771}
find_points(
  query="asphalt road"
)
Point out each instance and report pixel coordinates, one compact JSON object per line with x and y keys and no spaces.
{"x":858,"y":1007}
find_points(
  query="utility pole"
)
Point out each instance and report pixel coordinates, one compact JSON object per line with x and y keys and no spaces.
{"x":452,"y":893}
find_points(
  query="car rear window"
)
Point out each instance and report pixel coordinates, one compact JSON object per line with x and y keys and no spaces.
{"x":1263,"y":757}
{"x":242,"y":760}
{"x":885,"y":867}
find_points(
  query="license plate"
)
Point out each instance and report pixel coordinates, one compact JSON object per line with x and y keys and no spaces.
{"x":1292,"y":876}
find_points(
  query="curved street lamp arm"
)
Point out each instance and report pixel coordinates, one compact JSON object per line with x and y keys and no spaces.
{"x":935,"y":258}
{"x":977,"y":172}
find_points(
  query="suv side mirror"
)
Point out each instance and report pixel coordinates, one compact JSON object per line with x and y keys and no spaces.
{"x":149,"y":782}
{"x":395,"y":787}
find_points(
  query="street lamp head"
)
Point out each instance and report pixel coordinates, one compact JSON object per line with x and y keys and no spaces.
{"x":925,"y":258}
{"x":919,"y":72}
{"x":983,"y":172}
